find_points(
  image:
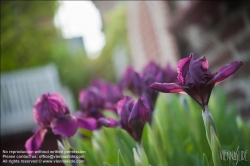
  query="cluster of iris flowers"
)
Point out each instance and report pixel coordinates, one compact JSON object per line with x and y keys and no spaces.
{"x":192,"y":77}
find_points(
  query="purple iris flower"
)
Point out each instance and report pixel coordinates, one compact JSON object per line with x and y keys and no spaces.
{"x":91,"y":101}
{"x":133,"y":117}
{"x":150,"y":74}
{"x":169,"y":75}
{"x":111,"y":93}
{"x":131,"y":80}
{"x":50,"y":111}
{"x":195,"y":79}
{"x":92,"y":105}
{"x":139,"y":83}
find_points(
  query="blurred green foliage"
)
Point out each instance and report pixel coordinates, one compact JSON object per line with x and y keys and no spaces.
{"x":29,"y":38}
{"x":27,"y":33}
{"x":176,"y":136}
{"x":115,"y":30}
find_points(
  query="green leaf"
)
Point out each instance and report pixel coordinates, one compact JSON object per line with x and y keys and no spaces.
{"x":142,"y":154}
{"x":106,"y":164}
{"x":120,"y":159}
{"x":215,"y":147}
{"x":205,"y":160}
{"x":137,"y":159}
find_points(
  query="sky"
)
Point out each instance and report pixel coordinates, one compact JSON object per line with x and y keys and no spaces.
{"x":81,"y":18}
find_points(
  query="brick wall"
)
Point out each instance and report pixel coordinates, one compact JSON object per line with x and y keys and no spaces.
{"x":149,"y":37}
{"x":220,"y":31}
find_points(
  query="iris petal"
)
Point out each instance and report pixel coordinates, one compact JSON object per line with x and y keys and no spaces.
{"x":139,"y":113}
{"x":91,"y":100}
{"x":225,"y":71}
{"x":182,"y":69}
{"x":167,"y":87}
{"x":47,"y":107}
{"x":87,"y":123}
{"x":124,"y":108}
{"x":199,"y":71}
{"x":35,"y":141}
{"x":122,"y":103}
{"x":65,"y":125}
{"x":131,"y":80}
{"x":109,"y":122}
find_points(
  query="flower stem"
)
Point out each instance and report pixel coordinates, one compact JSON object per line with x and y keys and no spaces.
{"x":212,"y":136}
{"x":140,"y":156}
